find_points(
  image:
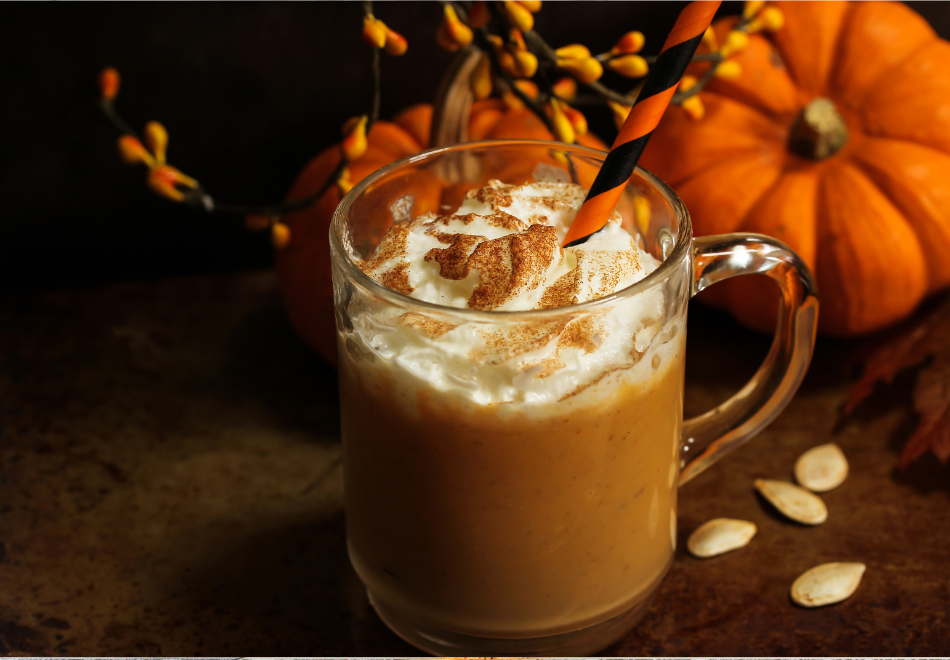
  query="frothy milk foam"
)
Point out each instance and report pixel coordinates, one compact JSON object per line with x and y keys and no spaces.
{"x":500,"y":251}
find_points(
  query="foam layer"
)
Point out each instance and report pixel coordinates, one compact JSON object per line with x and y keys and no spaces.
{"x":501,"y":251}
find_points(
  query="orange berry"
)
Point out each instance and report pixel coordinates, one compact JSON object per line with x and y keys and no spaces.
{"x":480,"y":80}
{"x":577,"y":119}
{"x":518,"y":15}
{"x":479,"y":15}
{"x":694,"y":108}
{"x":620,"y":112}
{"x":771,"y":19}
{"x":162,"y":187}
{"x":631,"y":42}
{"x":709,"y":39}
{"x":526,"y":63}
{"x":280,"y":235}
{"x":133,"y":152}
{"x":374,"y":32}
{"x":354,"y":143}
{"x":512,"y":101}
{"x":460,"y":33}
{"x":563,"y":129}
{"x":631,"y":66}
{"x":687,"y":83}
{"x":396,"y":44}
{"x":256,"y":222}
{"x":752,"y":7}
{"x":344,"y":183}
{"x":165,"y":179}
{"x":642,"y":213}
{"x":573,"y":52}
{"x":516,"y":40}
{"x":735,"y":42}
{"x":109,"y":83}
{"x":156,"y":137}
{"x":586,"y":70}
{"x":565,"y":88}
{"x":444,"y":39}
{"x":507,"y":62}
{"x":728,"y":70}
{"x":534,"y":6}
{"x":529,"y":88}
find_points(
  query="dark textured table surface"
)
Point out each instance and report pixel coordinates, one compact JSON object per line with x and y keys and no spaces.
{"x":170,"y":484}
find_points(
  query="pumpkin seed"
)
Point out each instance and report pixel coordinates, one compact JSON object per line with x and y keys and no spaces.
{"x":827,"y":583}
{"x":822,"y":468}
{"x":793,"y":501}
{"x":720,"y":535}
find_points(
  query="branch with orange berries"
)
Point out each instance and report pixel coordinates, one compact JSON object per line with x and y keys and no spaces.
{"x":756,"y":17}
{"x":529,"y":71}
{"x":516,"y":63}
{"x":169,"y":182}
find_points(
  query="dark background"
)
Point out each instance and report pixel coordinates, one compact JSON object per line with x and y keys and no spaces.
{"x":249,"y":92}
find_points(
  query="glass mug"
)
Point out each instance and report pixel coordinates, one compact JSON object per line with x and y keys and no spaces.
{"x":489,"y":515}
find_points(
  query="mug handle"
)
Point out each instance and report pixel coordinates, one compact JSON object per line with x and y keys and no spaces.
{"x":709,"y":437}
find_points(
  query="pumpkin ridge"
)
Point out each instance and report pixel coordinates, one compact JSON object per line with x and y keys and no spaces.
{"x":720,"y":209}
{"x":845,"y":96}
{"x":778,"y":121}
{"x":915,"y":105}
{"x":926,"y":145}
{"x":746,"y":154}
{"x":865,"y":287}
{"x":872,"y":178}
{"x":801,"y":53}
{"x":839,"y":46}
{"x":934,"y":257}
{"x":857,"y":105}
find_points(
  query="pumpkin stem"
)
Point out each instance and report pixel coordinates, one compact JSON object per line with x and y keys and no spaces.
{"x":453,"y":101}
{"x":818,"y":131}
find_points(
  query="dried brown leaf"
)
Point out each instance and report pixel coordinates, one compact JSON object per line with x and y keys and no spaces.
{"x":925,"y":338}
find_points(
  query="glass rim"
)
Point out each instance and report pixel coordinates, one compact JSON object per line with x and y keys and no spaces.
{"x":679,"y":253}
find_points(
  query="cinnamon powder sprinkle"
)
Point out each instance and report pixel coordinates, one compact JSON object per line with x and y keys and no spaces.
{"x":498,"y":219}
{"x":429,"y":326}
{"x":454,"y":260}
{"x":395,"y":244}
{"x":562,"y":293}
{"x":397,"y":279}
{"x":512,"y":264}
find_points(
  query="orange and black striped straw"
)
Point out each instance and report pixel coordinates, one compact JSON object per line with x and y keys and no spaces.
{"x":658,"y":89}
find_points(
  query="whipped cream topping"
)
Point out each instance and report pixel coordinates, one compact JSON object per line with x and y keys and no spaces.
{"x":501,"y":251}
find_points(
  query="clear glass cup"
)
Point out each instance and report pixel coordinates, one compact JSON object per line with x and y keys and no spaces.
{"x":501,"y":500}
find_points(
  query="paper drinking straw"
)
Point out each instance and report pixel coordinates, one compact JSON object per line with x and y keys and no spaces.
{"x":658,"y":89}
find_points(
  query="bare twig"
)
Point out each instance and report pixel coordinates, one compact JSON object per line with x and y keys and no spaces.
{"x":109,"y":111}
{"x":609,"y":94}
{"x":681,"y":95}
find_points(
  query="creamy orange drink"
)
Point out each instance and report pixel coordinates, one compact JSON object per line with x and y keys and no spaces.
{"x":521,"y":479}
{"x":512,"y":411}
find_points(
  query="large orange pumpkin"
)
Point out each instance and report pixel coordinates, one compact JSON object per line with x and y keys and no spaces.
{"x":303,"y":268}
{"x":872,"y":219}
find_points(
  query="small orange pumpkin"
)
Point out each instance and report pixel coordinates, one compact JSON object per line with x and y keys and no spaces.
{"x":303,"y":268}
{"x":859,"y":187}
